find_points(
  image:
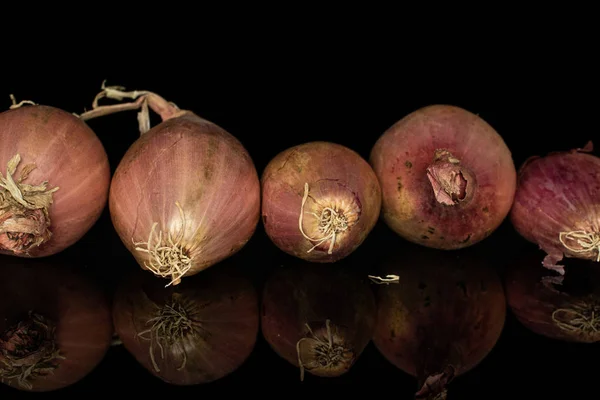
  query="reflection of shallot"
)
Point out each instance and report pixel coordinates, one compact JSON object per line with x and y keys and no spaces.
{"x":567,"y":308}
{"x":441,"y":316}
{"x":196,"y":332}
{"x":318,"y":319}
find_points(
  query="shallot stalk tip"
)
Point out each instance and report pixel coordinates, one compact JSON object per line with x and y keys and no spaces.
{"x":332,"y":222}
{"x":327,"y":353}
{"x":166,"y":257}
{"x":20,"y":104}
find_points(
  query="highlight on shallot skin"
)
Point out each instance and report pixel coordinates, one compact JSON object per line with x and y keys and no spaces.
{"x":447,"y":177}
{"x":186,"y":194}
{"x":55,"y":179}
{"x":320,"y":201}
{"x":557,"y":205}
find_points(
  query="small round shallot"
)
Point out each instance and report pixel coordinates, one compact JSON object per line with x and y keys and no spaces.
{"x":320,"y":201}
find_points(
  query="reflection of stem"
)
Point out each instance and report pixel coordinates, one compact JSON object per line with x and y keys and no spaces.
{"x":588,"y":241}
{"x":331,"y":223}
{"x":579,"y":322}
{"x":384,"y":281}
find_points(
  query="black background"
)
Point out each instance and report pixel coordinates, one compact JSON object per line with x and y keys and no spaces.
{"x":273,"y":99}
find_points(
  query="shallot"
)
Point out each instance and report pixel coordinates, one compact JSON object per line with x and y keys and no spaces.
{"x":186,"y":194}
{"x":447,"y":177}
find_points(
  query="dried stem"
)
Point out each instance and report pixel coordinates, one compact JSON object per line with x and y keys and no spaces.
{"x":166,"y":259}
{"x":331,"y":223}
{"x":28,"y":351}
{"x":20,"y":104}
{"x":327,"y":353}
{"x":143,"y":100}
{"x":588,"y":241}
{"x":581,"y":318}
{"x":169,"y":327}
{"x":384,"y":281}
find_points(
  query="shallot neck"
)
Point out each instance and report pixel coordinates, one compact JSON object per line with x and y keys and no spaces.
{"x":324,"y":352}
{"x":451,"y":182}
{"x":144,"y":101}
{"x":28,"y":350}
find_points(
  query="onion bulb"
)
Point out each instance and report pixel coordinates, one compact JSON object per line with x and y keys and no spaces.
{"x":320,"y":201}
{"x":186,"y":194}
{"x":557,"y":205}
{"x":439,"y":317}
{"x":55,"y":325}
{"x":447,"y":177}
{"x":564,"y":308}
{"x":54,"y":181}
{"x":318,"y":319}
{"x":196,"y":332}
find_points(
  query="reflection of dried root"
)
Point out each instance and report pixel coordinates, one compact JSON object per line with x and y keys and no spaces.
{"x":29,"y":351}
{"x":170,"y":326}
{"x":326,"y":353}
{"x":168,"y":259}
{"x":581,"y":318}
{"x":587,"y":241}
{"x":384,"y":281}
{"x":331,"y":223}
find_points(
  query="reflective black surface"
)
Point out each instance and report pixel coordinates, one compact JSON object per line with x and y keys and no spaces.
{"x":275,"y":106}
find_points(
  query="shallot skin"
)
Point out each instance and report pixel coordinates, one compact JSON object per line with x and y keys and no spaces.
{"x":194,"y":164}
{"x":404,"y":160}
{"x":337,"y":178}
{"x":69,"y":156}
{"x":559,"y":193}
